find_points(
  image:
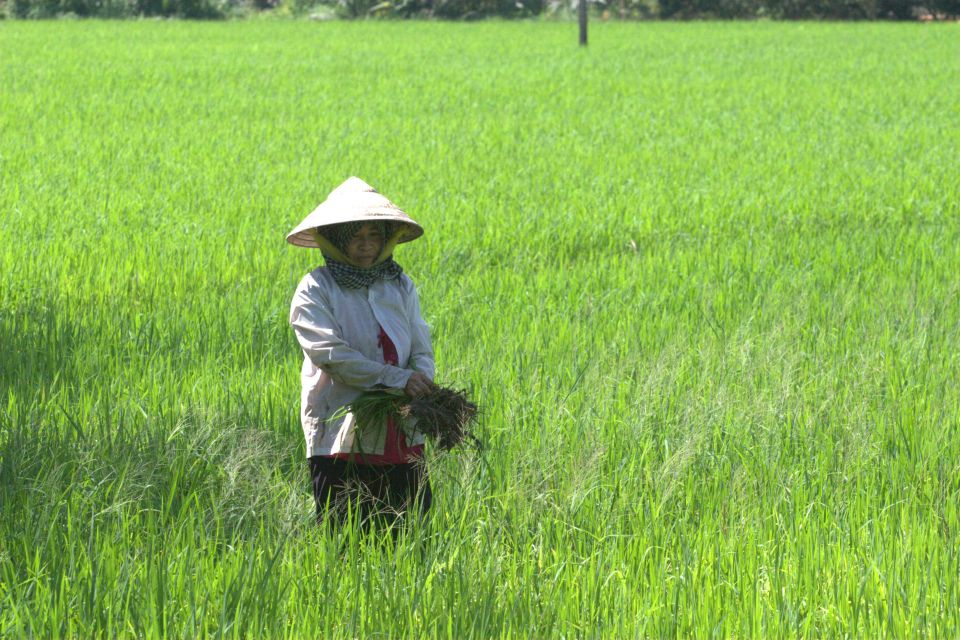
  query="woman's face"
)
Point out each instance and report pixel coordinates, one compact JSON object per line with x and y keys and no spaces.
{"x":365,"y":245}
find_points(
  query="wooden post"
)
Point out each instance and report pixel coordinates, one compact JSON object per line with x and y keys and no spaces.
{"x":582,"y":13}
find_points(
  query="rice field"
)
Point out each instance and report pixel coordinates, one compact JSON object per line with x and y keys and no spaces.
{"x":701,"y":278}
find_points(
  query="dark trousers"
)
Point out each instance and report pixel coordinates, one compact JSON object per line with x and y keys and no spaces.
{"x":383,"y":492}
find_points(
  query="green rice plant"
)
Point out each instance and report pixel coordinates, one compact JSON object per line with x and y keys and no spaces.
{"x":701,"y":278}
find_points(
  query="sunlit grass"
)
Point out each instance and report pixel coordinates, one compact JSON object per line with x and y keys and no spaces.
{"x":702,"y":279}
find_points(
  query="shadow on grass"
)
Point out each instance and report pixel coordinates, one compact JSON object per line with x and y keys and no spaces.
{"x":194,"y":463}
{"x":234,"y":480}
{"x":37,"y":342}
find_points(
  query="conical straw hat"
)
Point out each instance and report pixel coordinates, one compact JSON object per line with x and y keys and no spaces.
{"x":353,"y":201}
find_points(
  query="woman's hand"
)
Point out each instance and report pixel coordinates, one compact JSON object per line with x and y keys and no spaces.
{"x":418,"y":385}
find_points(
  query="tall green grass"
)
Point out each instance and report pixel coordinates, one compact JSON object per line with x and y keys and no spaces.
{"x":702,"y":279}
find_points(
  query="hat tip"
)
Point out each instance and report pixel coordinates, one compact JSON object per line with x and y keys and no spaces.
{"x":353,"y":184}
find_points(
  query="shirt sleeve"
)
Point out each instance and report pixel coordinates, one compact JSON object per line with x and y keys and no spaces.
{"x":318,"y":333}
{"x":421,"y":348}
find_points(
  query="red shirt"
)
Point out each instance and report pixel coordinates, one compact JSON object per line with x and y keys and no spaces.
{"x":395,"y":449}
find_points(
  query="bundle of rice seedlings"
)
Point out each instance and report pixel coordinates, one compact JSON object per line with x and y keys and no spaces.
{"x":444,"y":415}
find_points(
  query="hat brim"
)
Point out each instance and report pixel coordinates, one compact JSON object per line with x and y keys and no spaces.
{"x":306,"y":235}
{"x":353,"y":201}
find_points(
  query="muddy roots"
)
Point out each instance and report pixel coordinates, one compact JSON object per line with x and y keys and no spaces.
{"x":445,"y":415}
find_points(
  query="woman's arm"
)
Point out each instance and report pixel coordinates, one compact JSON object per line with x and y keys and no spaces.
{"x":319,"y":337}
{"x":421,"y":348}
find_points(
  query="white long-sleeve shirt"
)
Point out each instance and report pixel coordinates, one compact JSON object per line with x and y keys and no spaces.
{"x":337,"y":330}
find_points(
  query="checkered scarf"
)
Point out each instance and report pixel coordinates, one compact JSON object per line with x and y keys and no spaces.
{"x":349,"y":276}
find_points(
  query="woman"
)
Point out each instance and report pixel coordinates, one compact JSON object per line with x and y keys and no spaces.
{"x":358,"y":322}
